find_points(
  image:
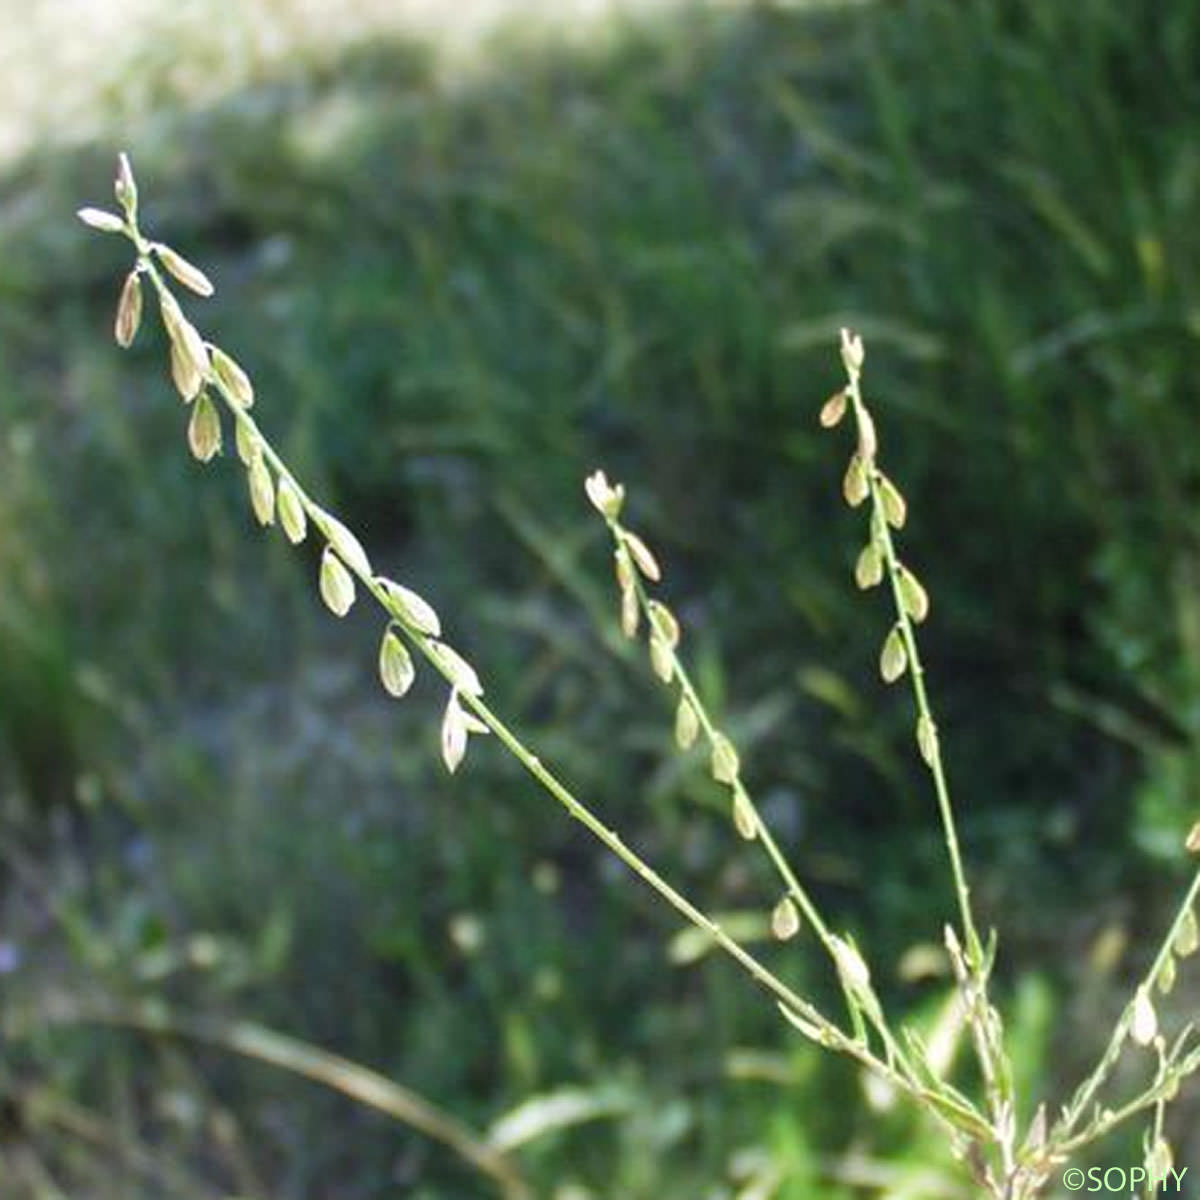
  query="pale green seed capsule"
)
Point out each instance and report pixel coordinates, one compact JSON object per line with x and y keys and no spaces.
{"x":99,"y":218}
{"x":744,"y":820}
{"x":785,"y":919}
{"x":661,"y":660}
{"x":894,"y":507}
{"x":462,"y":674}
{"x":248,"y":446}
{"x":868,"y":570}
{"x":189,"y":358}
{"x":233,"y":381}
{"x":204,"y":429}
{"x":187,"y":273}
{"x":834,"y":409}
{"x":290,"y":510}
{"x":396,"y":669}
{"x":631,"y":613}
{"x":893,"y":659}
{"x":927,"y":739}
{"x":188,"y":381}
{"x":724,"y":762}
{"x":262,"y":490}
{"x":454,"y":734}
{"x":645,"y":561}
{"x":687,"y":724}
{"x":851,"y":965}
{"x":1166,"y":975}
{"x":129,"y":310}
{"x":665,"y":623}
{"x":1143,"y":1027}
{"x":1187,"y":939}
{"x":413,"y":610}
{"x":1160,"y":1163}
{"x":913,"y":595}
{"x":624,"y":569}
{"x":336,"y":584}
{"x":868,"y":443}
{"x":855,"y":486}
{"x":348,"y":547}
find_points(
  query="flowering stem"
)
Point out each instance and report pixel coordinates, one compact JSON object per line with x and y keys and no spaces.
{"x":1091,"y":1086}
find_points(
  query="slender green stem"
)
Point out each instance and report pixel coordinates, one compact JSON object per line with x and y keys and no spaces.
{"x":742,"y":796}
{"x":924,"y":710}
{"x":1097,"y":1079}
{"x":952,"y":1110}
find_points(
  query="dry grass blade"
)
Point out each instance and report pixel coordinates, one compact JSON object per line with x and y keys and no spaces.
{"x":351,"y":1079}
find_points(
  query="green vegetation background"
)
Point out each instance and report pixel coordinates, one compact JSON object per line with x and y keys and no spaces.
{"x":458,"y":293}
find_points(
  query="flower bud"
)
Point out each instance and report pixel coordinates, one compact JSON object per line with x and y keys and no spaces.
{"x":348,"y":547}
{"x":454,"y":734}
{"x":606,"y":498}
{"x":336,"y":584}
{"x":204,"y":429}
{"x":129,"y":310}
{"x":868,"y":442}
{"x":412,"y":610}
{"x":290,"y":510}
{"x":99,"y":218}
{"x":894,"y":507}
{"x":725,"y":764}
{"x":1166,"y":975}
{"x":687,"y":724}
{"x":631,"y":613}
{"x":645,"y":561}
{"x":248,"y":446}
{"x":233,"y":381}
{"x":262,"y":490}
{"x":662,"y":661}
{"x":855,"y":486}
{"x":852,"y":352}
{"x":927,"y":740}
{"x":396,"y":670}
{"x":124,"y":187}
{"x":893,"y":658}
{"x":744,"y":820}
{"x":189,"y":275}
{"x":868,"y":571}
{"x":665,"y":623}
{"x":1187,"y":937}
{"x":834,"y":409}
{"x":188,"y":381}
{"x":1143,"y":1027}
{"x":462,"y":675}
{"x":851,"y":966}
{"x":785,"y":919}
{"x":1160,"y":1163}
{"x":624,"y":569}
{"x":913,"y":596}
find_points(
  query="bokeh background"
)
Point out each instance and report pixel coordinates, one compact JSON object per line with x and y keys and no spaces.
{"x":470,"y":251}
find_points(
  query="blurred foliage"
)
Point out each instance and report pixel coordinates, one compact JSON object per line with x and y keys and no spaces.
{"x":457,"y":296}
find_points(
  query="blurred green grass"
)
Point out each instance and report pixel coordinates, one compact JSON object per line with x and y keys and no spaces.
{"x":458,"y":293}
